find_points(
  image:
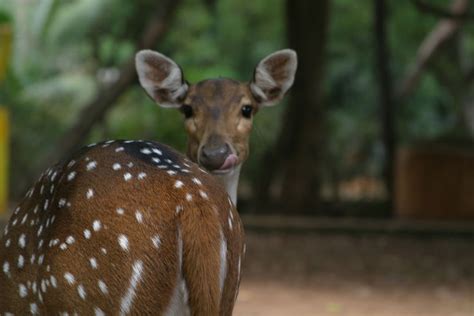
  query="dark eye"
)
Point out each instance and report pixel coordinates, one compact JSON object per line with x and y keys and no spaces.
{"x":187,"y":111}
{"x":247,"y":111}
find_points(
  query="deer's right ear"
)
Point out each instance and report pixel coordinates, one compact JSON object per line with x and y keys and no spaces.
{"x":161,"y":78}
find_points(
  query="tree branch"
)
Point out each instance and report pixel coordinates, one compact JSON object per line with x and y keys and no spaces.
{"x":442,"y":32}
{"x":440,"y":12}
{"x":107,"y":96}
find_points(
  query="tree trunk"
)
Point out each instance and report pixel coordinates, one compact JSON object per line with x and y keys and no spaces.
{"x":383,"y":78}
{"x":297,"y":155}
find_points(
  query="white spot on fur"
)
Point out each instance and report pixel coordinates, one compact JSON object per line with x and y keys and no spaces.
{"x":34,"y":309}
{"x":91,"y":165}
{"x":93,"y":262}
{"x":43,"y":286}
{"x":70,"y":240}
{"x":81,"y":291}
{"x":139,"y":216}
{"x":69,"y":278}
{"x":156,"y":241}
{"x":96,"y":225}
{"x":21,"y":261}
{"x":22,"y":290}
{"x":71,"y":176}
{"x":203,"y":195}
{"x":54,"y":282}
{"x":90,"y":194}
{"x":116,"y":166}
{"x":61,"y":202}
{"x":127,"y":176}
{"x":40,"y":259}
{"x":103,"y":287}
{"x":123,"y":242}
{"x":98,"y":312}
{"x":22,"y":241}
{"x":6,"y":268}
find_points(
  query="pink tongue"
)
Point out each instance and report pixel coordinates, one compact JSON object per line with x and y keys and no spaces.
{"x":229,"y":162}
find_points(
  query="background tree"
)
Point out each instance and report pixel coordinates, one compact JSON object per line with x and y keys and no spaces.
{"x":296,"y":160}
{"x":385,"y":95}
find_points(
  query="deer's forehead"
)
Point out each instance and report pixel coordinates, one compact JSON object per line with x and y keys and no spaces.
{"x":217,"y":93}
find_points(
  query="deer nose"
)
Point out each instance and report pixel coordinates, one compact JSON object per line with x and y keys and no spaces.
{"x":213,"y":157}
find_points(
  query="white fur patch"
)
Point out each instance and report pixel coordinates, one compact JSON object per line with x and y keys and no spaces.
{"x":179,"y":301}
{"x":127,"y":299}
{"x":223,"y":263}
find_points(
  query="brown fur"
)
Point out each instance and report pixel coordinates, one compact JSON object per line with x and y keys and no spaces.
{"x":217,"y":104}
{"x":156,"y":197}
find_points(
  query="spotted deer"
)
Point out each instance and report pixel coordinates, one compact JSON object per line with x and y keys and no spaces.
{"x":133,"y":227}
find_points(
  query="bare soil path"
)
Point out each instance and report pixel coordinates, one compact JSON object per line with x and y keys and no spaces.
{"x":355,"y":275}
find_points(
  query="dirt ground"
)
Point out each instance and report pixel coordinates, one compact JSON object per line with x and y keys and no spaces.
{"x":343,"y":274}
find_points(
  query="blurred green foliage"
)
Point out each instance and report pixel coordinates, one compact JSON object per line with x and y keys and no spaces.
{"x":65,"y":50}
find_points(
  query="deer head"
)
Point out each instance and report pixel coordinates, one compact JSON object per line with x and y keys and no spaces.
{"x":218,"y":113}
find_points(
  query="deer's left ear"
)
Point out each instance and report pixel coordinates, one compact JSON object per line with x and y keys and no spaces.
{"x":273,"y":76}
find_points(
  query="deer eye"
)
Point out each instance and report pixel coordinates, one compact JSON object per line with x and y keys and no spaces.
{"x":187,"y":110}
{"x":247,"y":111}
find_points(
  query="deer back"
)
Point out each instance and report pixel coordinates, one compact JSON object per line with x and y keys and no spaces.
{"x":123,"y":227}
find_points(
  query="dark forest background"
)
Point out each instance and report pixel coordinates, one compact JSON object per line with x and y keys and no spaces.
{"x":373,"y":77}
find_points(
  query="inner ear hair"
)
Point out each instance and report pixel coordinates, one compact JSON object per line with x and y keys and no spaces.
{"x":161,"y":78}
{"x":274,"y":76}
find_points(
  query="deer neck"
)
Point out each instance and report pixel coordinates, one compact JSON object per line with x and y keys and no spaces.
{"x":231,"y":182}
